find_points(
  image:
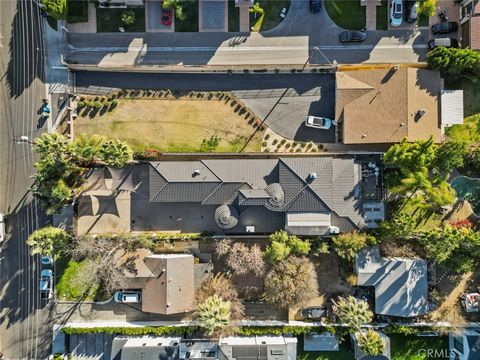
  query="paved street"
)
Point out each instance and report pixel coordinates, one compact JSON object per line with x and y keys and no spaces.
{"x":282,"y":100}
{"x":293,"y":42}
{"x":24,"y":329}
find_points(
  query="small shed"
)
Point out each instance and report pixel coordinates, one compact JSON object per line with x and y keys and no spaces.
{"x":320,"y":342}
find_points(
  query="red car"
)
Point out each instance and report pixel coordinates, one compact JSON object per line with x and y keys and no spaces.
{"x":166,"y":15}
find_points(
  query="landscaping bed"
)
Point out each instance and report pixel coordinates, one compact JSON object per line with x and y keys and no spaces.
{"x":194,"y":122}
{"x":271,"y":14}
{"x":77,"y":11}
{"x":348,"y":14}
{"x":233,"y":17}
{"x":110,"y":20}
{"x":68,"y":286}
{"x":382,"y":16}
{"x":190,"y":23}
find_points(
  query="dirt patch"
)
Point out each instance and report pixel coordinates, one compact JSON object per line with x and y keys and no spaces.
{"x":176,"y":125}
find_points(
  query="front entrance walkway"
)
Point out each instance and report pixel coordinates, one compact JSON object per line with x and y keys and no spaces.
{"x":244,"y":19}
{"x":371,"y":13}
{"x":89,"y":26}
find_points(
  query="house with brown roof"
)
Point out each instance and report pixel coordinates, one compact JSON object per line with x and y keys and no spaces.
{"x":384,"y":106}
{"x":166,"y":280}
{"x":470,"y":24}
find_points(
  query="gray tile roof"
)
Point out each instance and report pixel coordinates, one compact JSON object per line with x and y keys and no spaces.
{"x":300,"y":184}
{"x":401,"y":286}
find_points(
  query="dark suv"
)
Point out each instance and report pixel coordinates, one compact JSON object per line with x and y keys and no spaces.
{"x":315,"y":6}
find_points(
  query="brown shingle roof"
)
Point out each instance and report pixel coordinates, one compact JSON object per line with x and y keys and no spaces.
{"x":379,"y":106}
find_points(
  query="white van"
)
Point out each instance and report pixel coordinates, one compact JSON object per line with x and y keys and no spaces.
{"x":2,"y":227}
{"x":128,"y":296}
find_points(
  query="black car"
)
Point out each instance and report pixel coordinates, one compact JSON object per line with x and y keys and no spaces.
{"x":352,"y":36}
{"x":445,"y":27}
{"x":315,"y":6}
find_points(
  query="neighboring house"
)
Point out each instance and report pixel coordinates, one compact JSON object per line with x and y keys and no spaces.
{"x":305,"y":196}
{"x":464,"y":346}
{"x":470,"y":24}
{"x":384,"y":106}
{"x":257,"y":348}
{"x":360,"y":355}
{"x":162,"y":348}
{"x":166,"y":280}
{"x":401,"y":286}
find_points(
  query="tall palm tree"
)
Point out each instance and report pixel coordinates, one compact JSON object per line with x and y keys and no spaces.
{"x":213,"y":314}
{"x":115,"y":153}
{"x":47,"y":241}
{"x":353,"y":312}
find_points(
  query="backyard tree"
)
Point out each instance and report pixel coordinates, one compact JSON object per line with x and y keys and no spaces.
{"x":115,"y":153}
{"x":449,"y":155}
{"x":243,"y":259}
{"x":214,"y":314}
{"x":86,"y":149}
{"x":222,"y":286}
{"x":465,"y":62}
{"x":222,"y":247}
{"x":353,"y":312}
{"x":48,"y":241}
{"x":347,"y":245}
{"x":371,"y":342}
{"x":282,"y":245}
{"x":55,"y":8}
{"x":401,"y":225}
{"x":291,"y":282}
{"x":178,"y":6}
{"x":427,"y":7}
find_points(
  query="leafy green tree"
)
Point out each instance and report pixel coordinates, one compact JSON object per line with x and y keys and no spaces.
{"x":449,"y":155}
{"x":178,"y":6}
{"x":86,"y":149}
{"x":427,"y":7}
{"x":282,"y":245}
{"x":292,"y":281}
{"x":454,"y":61}
{"x":48,"y":241}
{"x":401,"y":226}
{"x":115,"y":153}
{"x":411,"y":157}
{"x":55,"y":8}
{"x":51,"y":143}
{"x":128,"y":18}
{"x":353,"y":312}
{"x":213,"y":314}
{"x":348,"y":245}
{"x":256,"y":9}
{"x":370,"y":342}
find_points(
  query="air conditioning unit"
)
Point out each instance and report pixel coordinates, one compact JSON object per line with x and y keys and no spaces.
{"x":333,"y":230}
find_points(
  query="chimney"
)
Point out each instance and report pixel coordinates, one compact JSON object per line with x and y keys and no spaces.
{"x":196,"y":173}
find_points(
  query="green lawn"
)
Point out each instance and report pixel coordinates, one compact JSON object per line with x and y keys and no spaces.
{"x":271,"y":16}
{"x":425,"y":217}
{"x":382,"y":16}
{"x":348,"y":14}
{"x":190,"y":24}
{"x":469,"y":132}
{"x":68,"y":285}
{"x":110,"y":20}
{"x":471,"y":93}
{"x":233,"y":17}
{"x":77,"y":11}
{"x":412,"y":347}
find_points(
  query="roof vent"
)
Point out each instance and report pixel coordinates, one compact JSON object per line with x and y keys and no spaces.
{"x":312,"y":175}
{"x":402,"y":124}
{"x":421,"y":112}
{"x":364,"y":135}
{"x":396,"y":67}
{"x":196,"y":173}
{"x":168,"y":305}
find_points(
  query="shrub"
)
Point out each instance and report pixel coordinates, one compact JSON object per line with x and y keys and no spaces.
{"x":347,"y":245}
{"x":282,"y":244}
{"x":264,"y":143}
{"x":81,"y":104}
{"x":97,"y":105}
{"x":274,"y":141}
{"x":128,"y":17}
{"x":267,"y":136}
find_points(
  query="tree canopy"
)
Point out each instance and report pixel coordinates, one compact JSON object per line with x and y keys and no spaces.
{"x":55,"y":8}
{"x":282,"y":245}
{"x":370,"y":342}
{"x":243,"y":259}
{"x":454,"y":61}
{"x":213,"y":314}
{"x":48,"y":241}
{"x":347,"y":245}
{"x":291,"y":282}
{"x":353,"y":312}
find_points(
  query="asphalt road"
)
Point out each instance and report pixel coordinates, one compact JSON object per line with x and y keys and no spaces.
{"x":24,"y":325}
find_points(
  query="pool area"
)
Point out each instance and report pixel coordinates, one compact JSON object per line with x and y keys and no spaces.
{"x":468,"y":189}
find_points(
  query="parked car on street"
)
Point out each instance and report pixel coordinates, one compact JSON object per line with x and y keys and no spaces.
{"x":445,"y":27}
{"x":447,"y":42}
{"x":46,"y":260}
{"x":412,"y":11}
{"x":314,"y":312}
{"x":396,"y":12}
{"x":352,"y":36}
{"x":2,"y":228}
{"x":128,"y":296}
{"x":315,"y":6}
{"x":319,"y":122}
{"x":166,"y":15}
{"x":46,"y":284}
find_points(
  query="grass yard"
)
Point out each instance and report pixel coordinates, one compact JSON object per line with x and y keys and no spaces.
{"x":271,"y":16}
{"x":425,"y":217}
{"x":348,"y":14}
{"x":67,"y":287}
{"x":190,"y":24}
{"x":77,"y":11}
{"x":382,"y":16}
{"x":469,"y":132}
{"x":110,"y":20}
{"x":412,"y":347}
{"x":233,"y":17}
{"x":175,"y":125}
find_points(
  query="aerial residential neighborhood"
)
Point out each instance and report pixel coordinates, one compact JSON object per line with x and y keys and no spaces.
{"x":240,"y":179}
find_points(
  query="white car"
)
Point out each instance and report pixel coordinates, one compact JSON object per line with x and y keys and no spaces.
{"x":2,"y":227}
{"x":319,"y":122}
{"x":46,"y":260}
{"x":46,"y":284}
{"x":396,"y":12}
{"x":128,"y":296}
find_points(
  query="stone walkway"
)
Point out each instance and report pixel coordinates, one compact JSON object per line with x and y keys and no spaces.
{"x":371,"y":13}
